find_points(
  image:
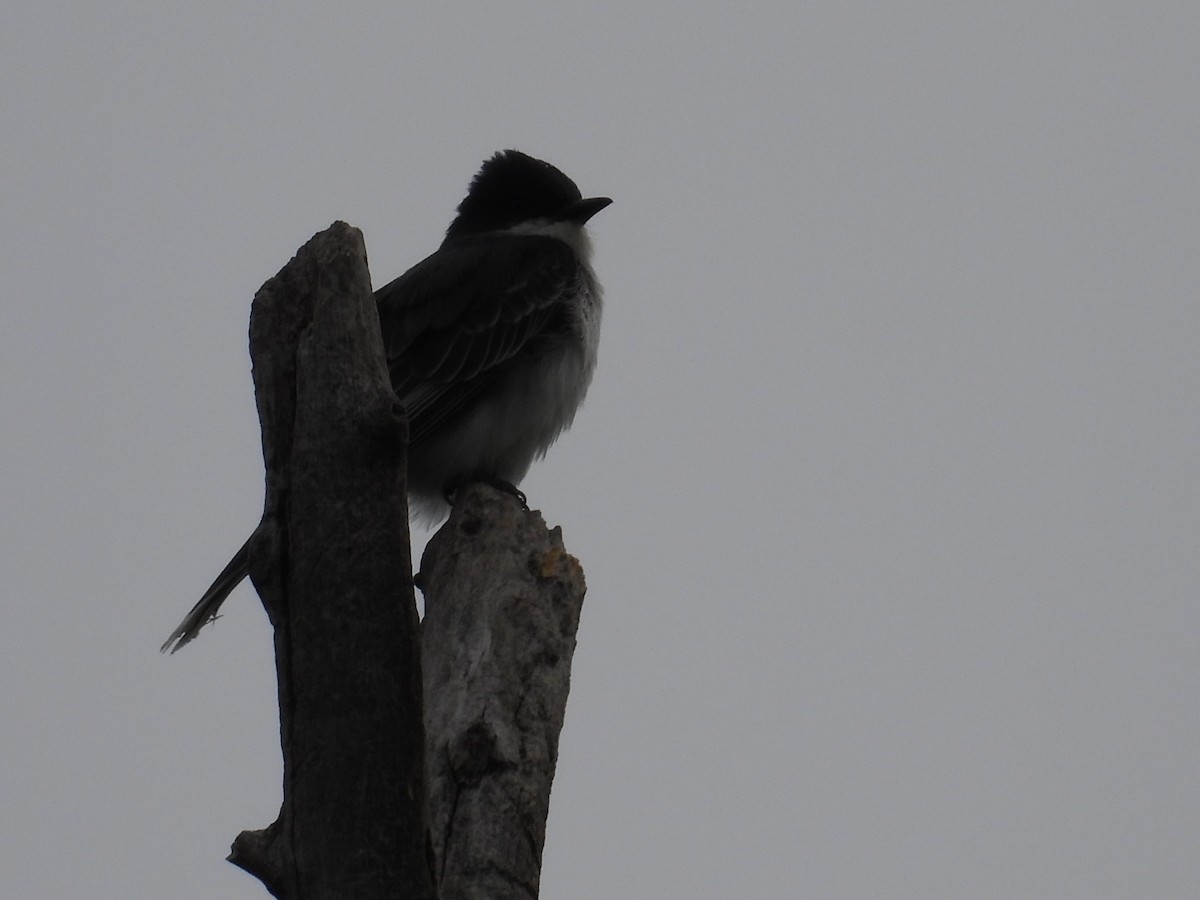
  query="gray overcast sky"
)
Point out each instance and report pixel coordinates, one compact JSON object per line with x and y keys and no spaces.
{"x":886,"y":488}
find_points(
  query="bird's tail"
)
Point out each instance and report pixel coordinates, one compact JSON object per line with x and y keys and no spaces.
{"x":206,"y":610}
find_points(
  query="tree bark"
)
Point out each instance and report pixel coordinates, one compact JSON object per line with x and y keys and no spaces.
{"x":373,"y":706}
{"x":502,"y":605}
{"x":330,"y":561}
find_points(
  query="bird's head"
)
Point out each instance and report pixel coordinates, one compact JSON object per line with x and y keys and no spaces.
{"x":514,"y":190}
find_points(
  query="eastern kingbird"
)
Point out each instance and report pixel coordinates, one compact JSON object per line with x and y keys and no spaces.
{"x":490,"y":342}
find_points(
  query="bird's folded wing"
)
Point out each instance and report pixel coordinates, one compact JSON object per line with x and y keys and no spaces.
{"x":465,"y":313}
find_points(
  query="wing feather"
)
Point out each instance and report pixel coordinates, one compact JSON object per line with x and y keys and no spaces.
{"x":470,"y":310}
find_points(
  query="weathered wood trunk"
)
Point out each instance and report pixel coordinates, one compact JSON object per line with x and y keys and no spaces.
{"x":374,"y":708}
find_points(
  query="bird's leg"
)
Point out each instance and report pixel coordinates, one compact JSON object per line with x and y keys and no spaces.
{"x":499,"y":484}
{"x":509,"y":488}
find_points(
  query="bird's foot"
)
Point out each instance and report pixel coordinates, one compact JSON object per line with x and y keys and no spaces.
{"x":509,"y":488}
{"x":498,"y":483}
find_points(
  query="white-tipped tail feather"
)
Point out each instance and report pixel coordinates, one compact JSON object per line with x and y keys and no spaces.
{"x":206,"y":610}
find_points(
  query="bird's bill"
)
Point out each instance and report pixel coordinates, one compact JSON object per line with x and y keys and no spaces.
{"x":582,"y":210}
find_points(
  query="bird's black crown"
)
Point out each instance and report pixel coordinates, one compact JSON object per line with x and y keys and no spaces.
{"x":513,"y":187}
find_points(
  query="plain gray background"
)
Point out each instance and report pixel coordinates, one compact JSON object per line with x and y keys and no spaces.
{"x":885,"y":490}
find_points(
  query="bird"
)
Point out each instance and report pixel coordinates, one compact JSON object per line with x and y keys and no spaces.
{"x":491,"y":343}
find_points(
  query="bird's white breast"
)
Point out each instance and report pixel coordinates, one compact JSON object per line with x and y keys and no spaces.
{"x":517,"y":421}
